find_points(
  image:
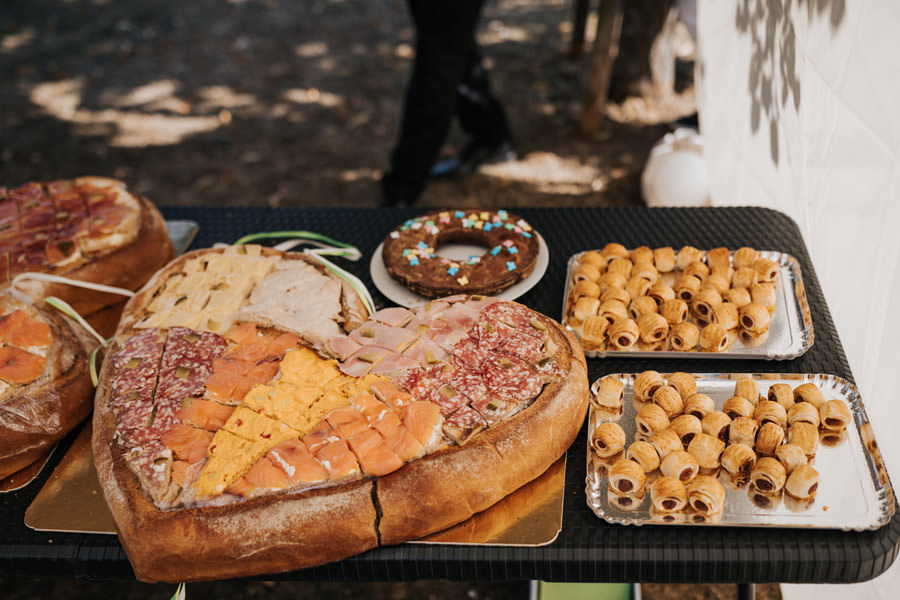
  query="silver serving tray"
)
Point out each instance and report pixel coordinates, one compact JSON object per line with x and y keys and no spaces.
{"x":854,"y":492}
{"x":790,"y":329}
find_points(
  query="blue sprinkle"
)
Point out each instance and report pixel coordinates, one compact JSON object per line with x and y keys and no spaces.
{"x":459,"y":214}
{"x":526,"y":234}
{"x":487,"y":226}
{"x":512,"y":250}
{"x":509,"y":226}
{"x":501,"y":214}
{"x":422,"y":245}
{"x":414,"y":261}
{"x":452,"y":270}
{"x":510,"y":266}
{"x":495,"y":250}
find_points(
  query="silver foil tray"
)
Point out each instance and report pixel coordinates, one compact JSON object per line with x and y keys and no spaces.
{"x":790,"y":330}
{"x":854,"y":492}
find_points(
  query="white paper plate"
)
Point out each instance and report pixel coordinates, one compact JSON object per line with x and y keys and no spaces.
{"x":402,"y":295}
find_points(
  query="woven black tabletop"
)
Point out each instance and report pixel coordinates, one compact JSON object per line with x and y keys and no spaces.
{"x":587,"y":549}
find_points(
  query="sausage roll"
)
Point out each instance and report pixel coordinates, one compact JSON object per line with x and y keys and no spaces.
{"x":643,"y":454}
{"x":665,"y":441}
{"x":831,"y":438}
{"x":681,"y":465}
{"x":736,"y":407}
{"x":766,"y":269}
{"x":646,"y":383}
{"x":743,"y":431}
{"x":674,"y":310}
{"x":608,"y":280}
{"x":586,"y":289}
{"x":686,"y":287}
{"x":744,"y":278}
{"x":717,"y":424}
{"x":622,"y":266}
{"x":698,"y":405}
{"x":614,"y":250}
{"x":626,"y":476}
{"x":668,"y":494}
{"x":653,"y":328}
{"x":609,"y":393}
{"x":668,"y":399}
{"x":834,"y":415}
{"x":645,"y":271}
{"x":768,"y":438}
{"x":614,"y":293}
{"x":613,"y":310}
{"x":738,"y":460}
{"x":650,"y":419}
{"x":707,"y":450}
{"x":608,"y":439}
{"x":803,"y":482}
{"x":782,"y":394}
{"x":768,"y":475}
{"x":684,"y":336}
{"x":713,"y":338}
{"x":593,"y":332}
{"x":803,"y":412}
{"x":763,"y":293}
{"x":664,"y":259}
{"x":642,"y":306}
{"x":660,"y":292}
{"x":790,"y":456}
{"x":754,"y":317}
{"x":705,"y":300}
{"x":595,"y":259}
{"x":744,"y":257}
{"x":686,"y":256}
{"x":683,"y":382}
{"x":770,"y":412}
{"x":623,"y":333}
{"x":752,"y":339}
{"x":806,"y":436}
{"x":718,"y":281}
{"x":809,"y":392}
{"x":585,"y":307}
{"x":737,"y":296}
{"x":706,"y":495}
{"x":641,"y":254}
{"x":586,"y":272}
{"x":696,"y":269}
{"x":718,"y":258}
{"x":725,"y":315}
{"x":746,"y":387}
{"x":686,"y":426}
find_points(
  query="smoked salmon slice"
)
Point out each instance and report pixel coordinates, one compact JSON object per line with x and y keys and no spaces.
{"x":347,"y":421}
{"x":19,"y":329}
{"x":297,"y":462}
{"x":369,"y":406}
{"x":10,"y":322}
{"x":398,"y":438}
{"x":338,"y":459}
{"x":188,"y":443}
{"x":18,"y":366}
{"x":373,"y":455}
{"x":318,"y":436}
{"x":423,"y":420}
{"x":390,"y":394}
{"x":265,"y":474}
{"x":204,"y":414}
{"x":242,"y":333}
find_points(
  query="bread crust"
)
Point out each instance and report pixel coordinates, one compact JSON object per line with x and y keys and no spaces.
{"x":42,"y":412}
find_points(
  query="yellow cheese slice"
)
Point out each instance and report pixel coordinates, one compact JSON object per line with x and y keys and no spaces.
{"x":230,"y":456}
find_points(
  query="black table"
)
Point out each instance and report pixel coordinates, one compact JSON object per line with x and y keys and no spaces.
{"x":587,"y":549}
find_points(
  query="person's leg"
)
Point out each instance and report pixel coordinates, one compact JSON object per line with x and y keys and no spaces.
{"x":443,"y":34}
{"x":480,"y":114}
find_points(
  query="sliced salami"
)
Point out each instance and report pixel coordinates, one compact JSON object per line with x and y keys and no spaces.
{"x":493,"y":410}
{"x":187,"y":363}
{"x":522,"y":345}
{"x":463,"y":424}
{"x":510,"y":378}
{"x":470,"y":353}
{"x":511,"y":314}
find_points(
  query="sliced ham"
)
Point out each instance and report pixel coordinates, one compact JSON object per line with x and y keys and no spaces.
{"x":395,"y":316}
{"x":343,"y":346}
{"x":460,"y":316}
{"x":394,"y":362}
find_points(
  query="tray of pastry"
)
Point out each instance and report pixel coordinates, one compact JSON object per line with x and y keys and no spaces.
{"x":737,"y":449}
{"x":691,"y":303}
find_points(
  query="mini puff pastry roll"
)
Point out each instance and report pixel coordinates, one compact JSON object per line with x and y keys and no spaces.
{"x":738,"y":460}
{"x":665,"y":441}
{"x":736,"y":407}
{"x":809,"y":392}
{"x":586,"y":289}
{"x":806,"y":436}
{"x":650,"y":419}
{"x":623,"y":333}
{"x":593,"y":332}
{"x":668,"y":399}
{"x":744,"y":257}
{"x":763,"y":293}
{"x":770,"y":412}
{"x":674,"y":310}
{"x":614,"y":250}
{"x":707,"y":450}
{"x":698,"y":405}
{"x":725,"y":315}
{"x":642,"y":306}
{"x":705,"y":300}
{"x":644,"y":455}
{"x":586,"y":272}
{"x":686,"y":287}
{"x":706,"y":495}
{"x":743,"y":431}
{"x":802,"y":482}
{"x":626,"y":476}
{"x":593,"y":258}
{"x":684,"y":336}
{"x":645,"y":271}
{"x":585,"y":307}
{"x":664,"y":259}
{"x":744,"y":278}
{"x":660,"y":292}
{"x":625,"y":501}
{"x":717,"y":424}
{"x":686,"y":426}
{"x":608,"y":439}
{"x":641,"y":254}
{"x":790,"y":456}
{"x":645,"y":385}
{"x":610,"y":392}
{"x":803,"y":412}
{"x":768,"y":438}
{"x":782,"y":394}
{"x":768,"y":475}
{"x":683,"y":382}
{"x":653,"y":328}
{"x":754,"y":317}
{"x":680,"y":465}
{"x":614,"y":293}
{"x":636,"y":287}
{"x":718,"y":281}
{"x":834,"y":415}
{"x":667,"y":494}
{"x":737,"y":296}
{"x":686,"y":256}
{"x":613,"y":310}
{"x":608,"y":280}
{"x":746,"y":387}
{"x":697,"y":269}
{"x":622,"y":266}
{"x":767,"y":269}
{"x":713,"y":338}
{"x":718,"y":258}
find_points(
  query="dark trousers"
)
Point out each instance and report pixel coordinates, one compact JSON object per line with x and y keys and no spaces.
{"x":447,"y":80}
